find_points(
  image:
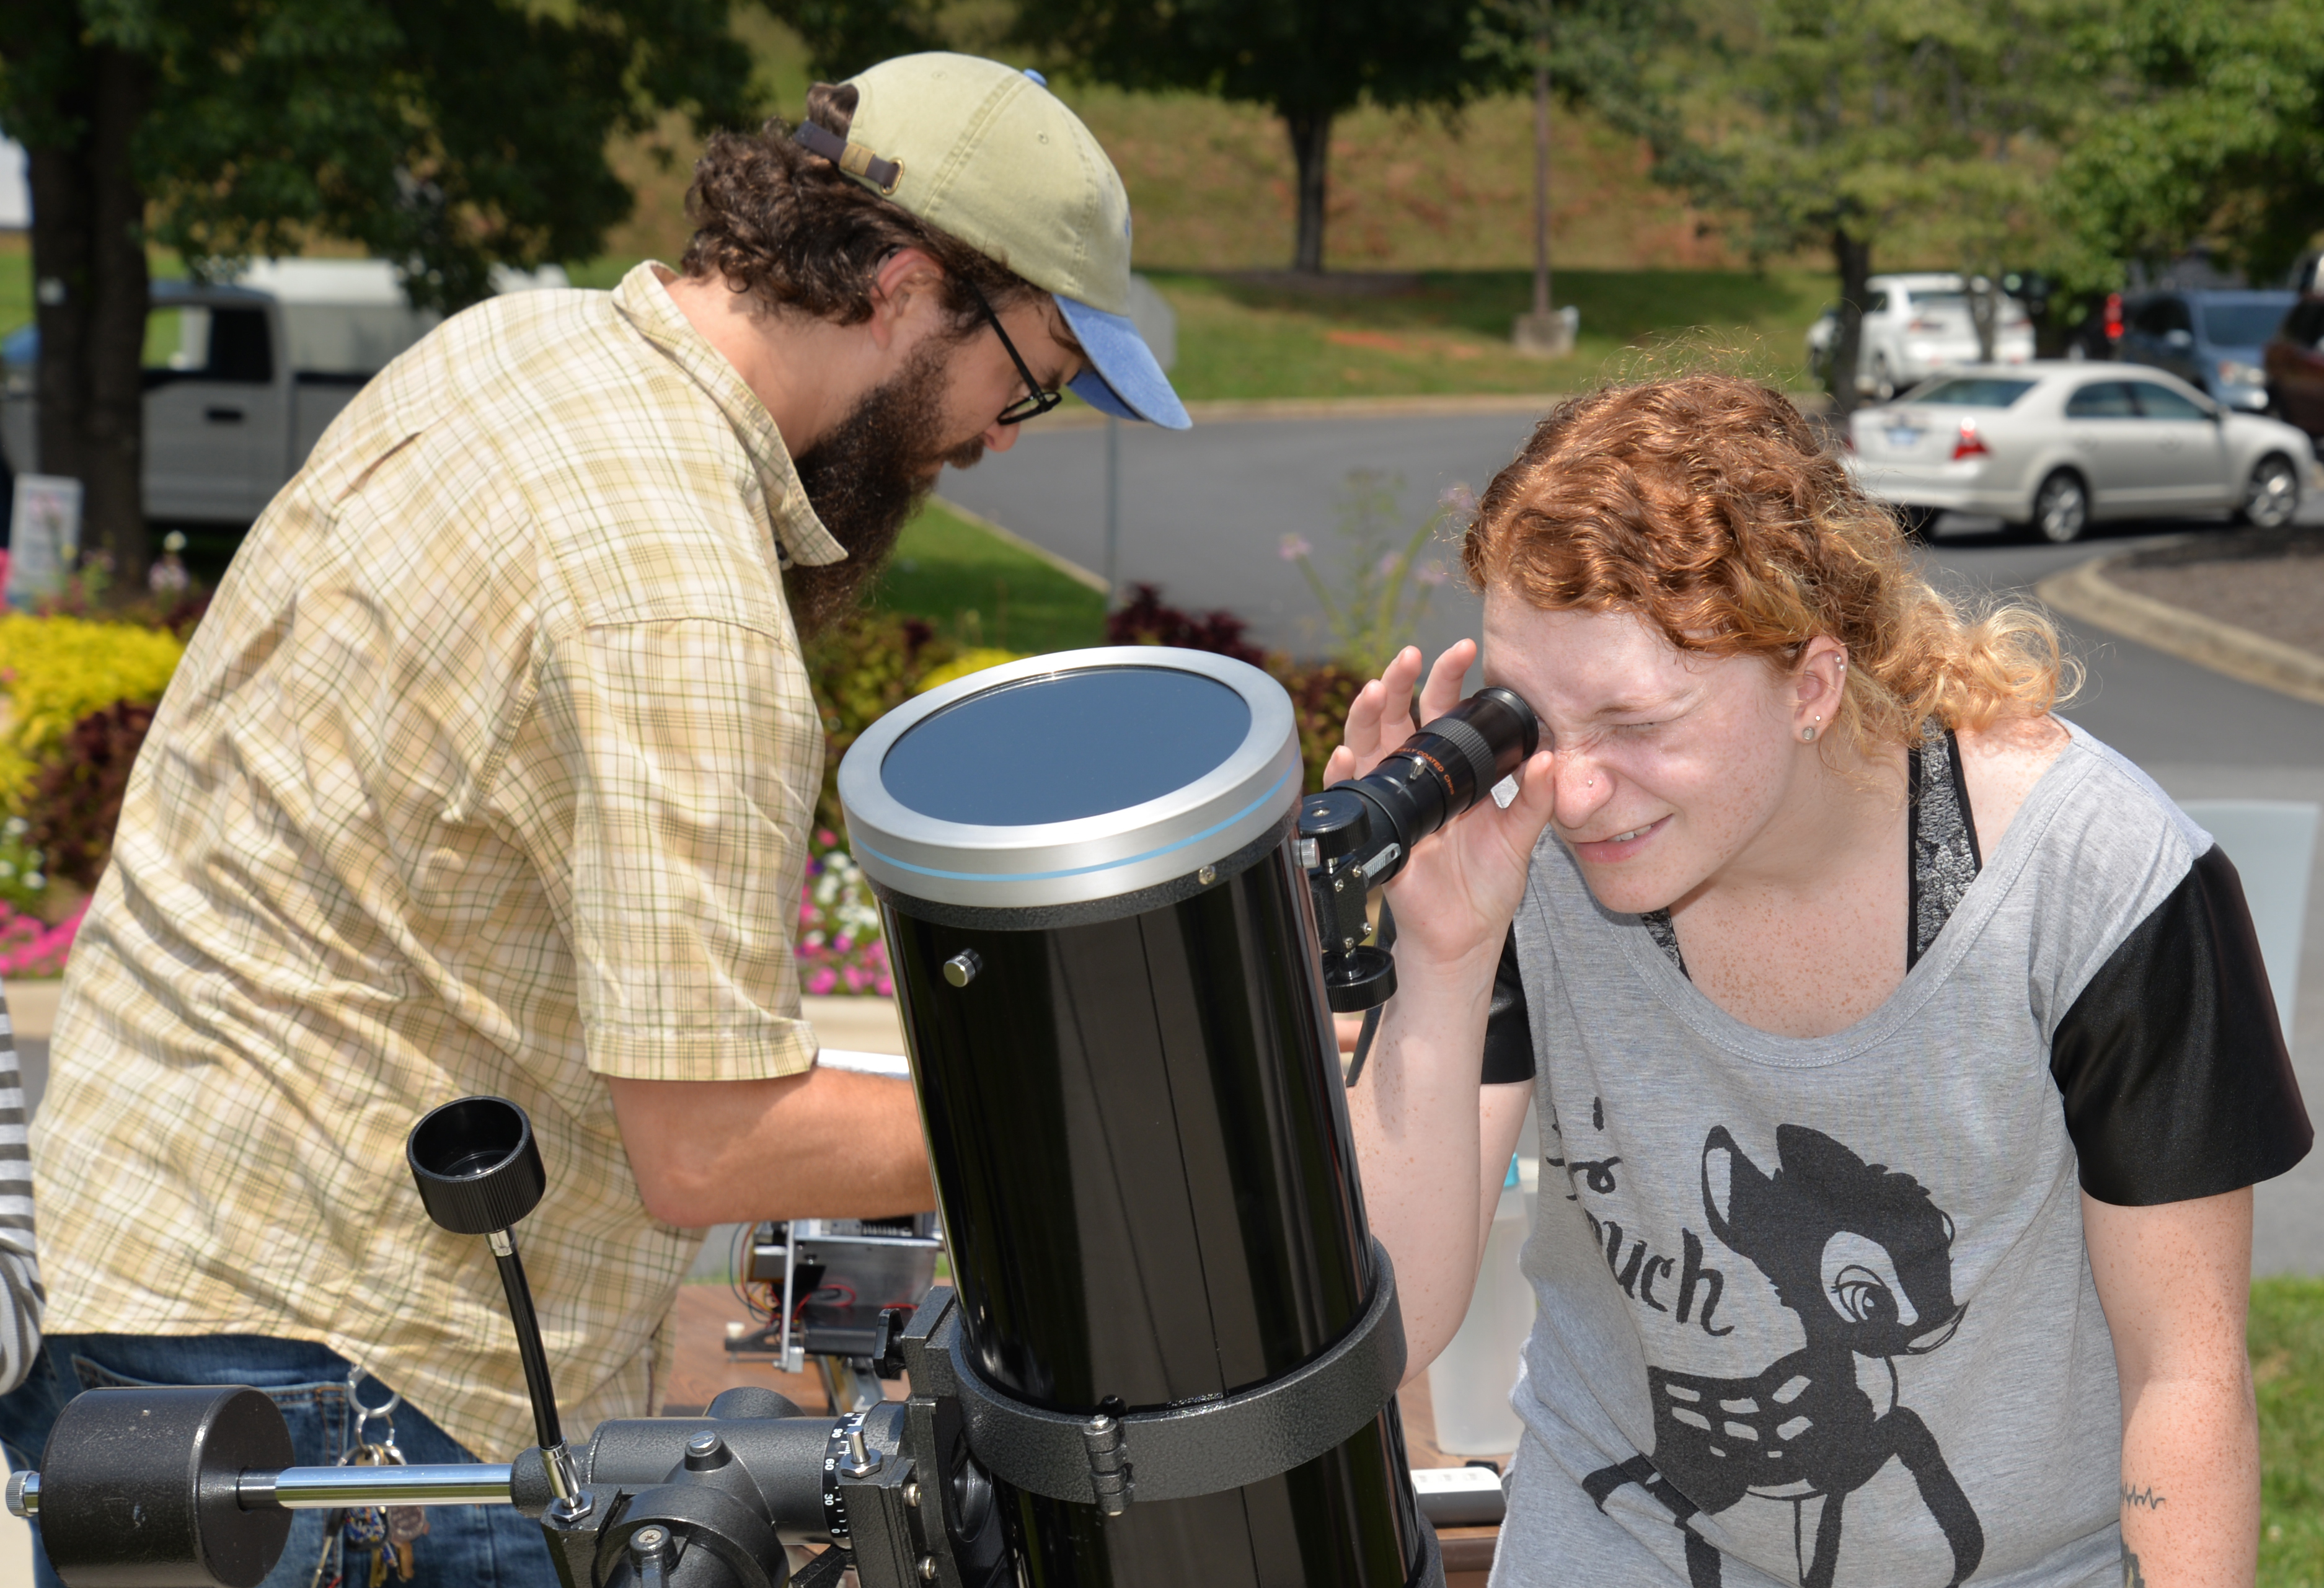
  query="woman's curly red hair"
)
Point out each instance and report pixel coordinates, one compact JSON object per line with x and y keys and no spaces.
{"x":1704,"y":505}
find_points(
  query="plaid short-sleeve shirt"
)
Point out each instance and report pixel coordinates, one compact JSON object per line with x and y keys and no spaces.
{"x":490,"y":770}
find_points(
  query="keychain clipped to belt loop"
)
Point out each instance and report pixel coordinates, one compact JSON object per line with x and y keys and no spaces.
{"x":386,"y":1533}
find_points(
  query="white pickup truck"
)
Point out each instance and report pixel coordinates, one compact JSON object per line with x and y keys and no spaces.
{"x":242,"y":378}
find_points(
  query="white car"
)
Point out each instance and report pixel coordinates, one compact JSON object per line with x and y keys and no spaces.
{"x":1915,"y":326}
{"x":2057,"y":446}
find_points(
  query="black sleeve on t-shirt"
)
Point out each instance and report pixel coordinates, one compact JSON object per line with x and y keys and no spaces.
{"x":2171,"y":1063}
{"x":1509,"y":1037}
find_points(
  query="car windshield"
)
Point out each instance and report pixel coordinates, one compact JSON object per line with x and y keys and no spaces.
{"x":1939,"y":300}
{"x":2242,"y":325}
{"x":1973,"y":391}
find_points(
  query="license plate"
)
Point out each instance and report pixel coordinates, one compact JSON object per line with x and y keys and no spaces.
{"x":1903,"y":438}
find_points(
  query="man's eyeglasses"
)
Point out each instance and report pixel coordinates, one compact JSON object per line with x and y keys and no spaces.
{"x":1036,"y":400}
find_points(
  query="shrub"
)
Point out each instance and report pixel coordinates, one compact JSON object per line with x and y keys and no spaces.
{"x":58,"y":670}
{"x":961,"y":666}
{"x":861,"y":668}
{"x":75,"y":799}
{"x":1320,"y":697}
{"x":1146,"y":621}
{"x":31,"y":947}
{"x":839,"y":947}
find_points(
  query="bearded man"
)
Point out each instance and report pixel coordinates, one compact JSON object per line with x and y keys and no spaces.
{"x":491,"y":770}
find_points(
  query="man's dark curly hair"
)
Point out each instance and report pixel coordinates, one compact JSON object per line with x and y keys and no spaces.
{"x":795,"y":231}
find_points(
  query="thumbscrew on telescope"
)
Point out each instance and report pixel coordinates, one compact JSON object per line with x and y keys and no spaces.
{"x":961,"y":969}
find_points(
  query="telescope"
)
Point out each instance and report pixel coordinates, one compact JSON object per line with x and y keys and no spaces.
{"x":1169,"y":1349}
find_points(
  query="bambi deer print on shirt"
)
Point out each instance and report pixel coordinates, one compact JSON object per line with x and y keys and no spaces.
{"x":1864,"y":1258}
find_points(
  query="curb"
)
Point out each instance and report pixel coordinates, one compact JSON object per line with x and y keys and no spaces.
{"x":2084,"y":591}
{"x":1009,"y":537}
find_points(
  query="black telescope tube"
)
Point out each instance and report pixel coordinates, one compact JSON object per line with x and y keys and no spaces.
{"x":1451,"y":763}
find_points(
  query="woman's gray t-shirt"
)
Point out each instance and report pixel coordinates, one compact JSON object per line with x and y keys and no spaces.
{"x":1818,"y":1310}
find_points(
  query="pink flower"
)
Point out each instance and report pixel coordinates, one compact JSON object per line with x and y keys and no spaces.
{"x":821,"y":983}
{"x":1294,"y":547}
{"x":1431,"y":575}
{"x":1385,"y":566}
{"x":825,"y":836}
{"x":1458,"y":498}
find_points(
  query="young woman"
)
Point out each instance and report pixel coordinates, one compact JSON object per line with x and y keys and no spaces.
{"x":1903,"y":1056}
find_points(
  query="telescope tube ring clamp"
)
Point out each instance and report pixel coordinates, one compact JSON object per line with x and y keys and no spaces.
{"x":1179,"y":1452}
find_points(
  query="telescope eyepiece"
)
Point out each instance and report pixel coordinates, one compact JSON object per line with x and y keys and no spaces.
{"x":1433,"y":777}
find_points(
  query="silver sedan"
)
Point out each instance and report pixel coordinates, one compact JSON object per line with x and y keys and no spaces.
{"x":2056,"y":446}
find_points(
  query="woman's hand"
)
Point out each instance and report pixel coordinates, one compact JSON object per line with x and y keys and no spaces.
{"x":1455,"y":895}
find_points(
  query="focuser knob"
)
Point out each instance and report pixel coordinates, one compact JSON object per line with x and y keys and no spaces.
{"x":477,"y":1165}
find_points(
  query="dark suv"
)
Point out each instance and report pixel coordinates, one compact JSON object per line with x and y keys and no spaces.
{"x":2295,"y":366}
{"x":2211,"y":339}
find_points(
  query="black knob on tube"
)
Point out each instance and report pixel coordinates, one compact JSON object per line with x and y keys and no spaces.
{"x":476,"y":1165}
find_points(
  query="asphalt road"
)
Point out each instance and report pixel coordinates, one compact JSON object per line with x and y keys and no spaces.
{"x":1204,"y":514}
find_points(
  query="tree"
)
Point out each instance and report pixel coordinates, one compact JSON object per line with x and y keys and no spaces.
{"x":1604,"y":54}
{"x":447,"y":135}
{"x":1853,"y":123}
{"x":2208,"y":127}
{"x":845,"y":36}
{"x":1307,"y":60}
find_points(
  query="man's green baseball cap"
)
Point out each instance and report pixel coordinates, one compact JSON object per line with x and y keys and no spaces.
{"x":987,"y":153}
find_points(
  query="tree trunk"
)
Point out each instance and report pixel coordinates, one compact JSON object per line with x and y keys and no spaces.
{"x":1541,"y":184}
{"x":1853,"y":254}
{"x":120,"y":290}
{"x":1311,"y":149}
{"x":62,"y":300}
{"x":89,"y":297}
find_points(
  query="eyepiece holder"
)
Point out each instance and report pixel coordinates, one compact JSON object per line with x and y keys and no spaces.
{"x":1360,"y":832}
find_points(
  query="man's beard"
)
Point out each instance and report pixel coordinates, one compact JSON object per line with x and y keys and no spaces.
{"x":868,"y":477}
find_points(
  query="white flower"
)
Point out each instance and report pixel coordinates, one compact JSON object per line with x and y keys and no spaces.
{"x":35,"y":881}
{"x":18,"y":826}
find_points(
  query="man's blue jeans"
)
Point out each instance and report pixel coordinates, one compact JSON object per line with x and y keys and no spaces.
{"x":465,"y":1546}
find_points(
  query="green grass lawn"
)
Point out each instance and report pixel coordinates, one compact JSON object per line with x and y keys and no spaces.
{"x":15,"y":282}
{"x":2287,"y":1350}
{"x":980,"y":590}
{"x":1448,"y":331}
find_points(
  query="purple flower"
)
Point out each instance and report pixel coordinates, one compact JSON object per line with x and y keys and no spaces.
{"x":1431,"y":576}
{"x":1294,"y":547}
{"x":1386,"y":568}
{"x":1458,"y":498}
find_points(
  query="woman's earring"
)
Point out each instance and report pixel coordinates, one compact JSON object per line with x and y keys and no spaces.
{"x":1807,"y":735}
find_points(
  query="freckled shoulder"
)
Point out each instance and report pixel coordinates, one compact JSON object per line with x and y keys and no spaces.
{"x":2001,"y":764}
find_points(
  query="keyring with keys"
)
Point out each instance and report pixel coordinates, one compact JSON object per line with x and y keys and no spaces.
{"x":385,"y":1534}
